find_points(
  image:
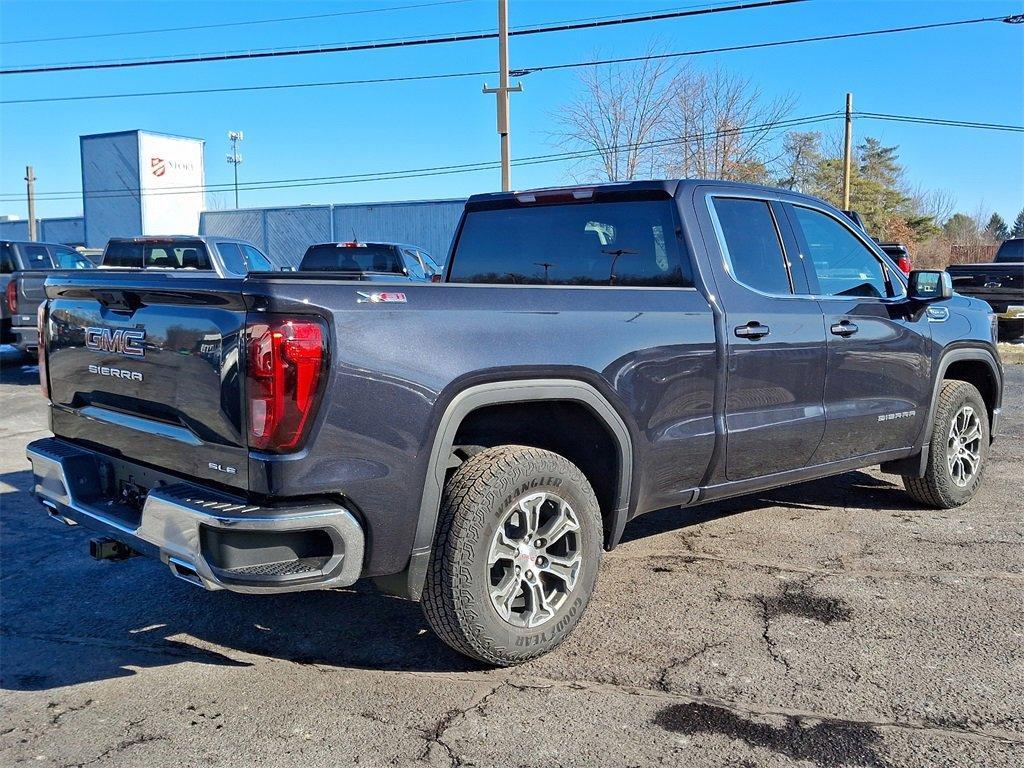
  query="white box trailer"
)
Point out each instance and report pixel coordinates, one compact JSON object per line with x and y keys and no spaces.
{"x":141,"y":183}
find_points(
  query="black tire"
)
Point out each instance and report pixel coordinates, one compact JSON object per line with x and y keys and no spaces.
{"x":938,"y":488}
{"x":478,"y":498}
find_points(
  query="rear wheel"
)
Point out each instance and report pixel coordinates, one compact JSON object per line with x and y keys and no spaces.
{"x":958,"y":449}
{"x":515,"y":557}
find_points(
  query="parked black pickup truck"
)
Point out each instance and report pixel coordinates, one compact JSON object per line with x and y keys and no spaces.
{"x":594,"y":354}
{"x":1000,"y":283}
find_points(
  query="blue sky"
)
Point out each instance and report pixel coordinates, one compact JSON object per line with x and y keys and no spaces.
{"x":967,"y":73}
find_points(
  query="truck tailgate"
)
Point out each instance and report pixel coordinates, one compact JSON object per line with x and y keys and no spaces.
{"x":144,"y":366}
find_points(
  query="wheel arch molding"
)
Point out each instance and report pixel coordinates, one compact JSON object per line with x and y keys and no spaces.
{"x":960,"y":360}
{"x":474,"y":398}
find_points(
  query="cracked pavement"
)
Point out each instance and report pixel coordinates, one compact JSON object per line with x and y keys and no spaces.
{"x":830,"y":623}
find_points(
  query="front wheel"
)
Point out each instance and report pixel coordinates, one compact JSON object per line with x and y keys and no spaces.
{"x":958,"y":449}
{"x":515,"y":557}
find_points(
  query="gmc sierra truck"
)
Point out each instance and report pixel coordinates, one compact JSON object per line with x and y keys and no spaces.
{"x":1000,"y":283}
{"x":593,"y":354}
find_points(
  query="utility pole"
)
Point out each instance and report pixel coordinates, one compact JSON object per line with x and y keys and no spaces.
{"x":30,"y":182}
{"x":501,"y":93}
{"x":847,"y":152}
{"x":234,"y":158}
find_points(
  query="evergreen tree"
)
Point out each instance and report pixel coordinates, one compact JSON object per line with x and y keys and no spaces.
{"x":961,"y":229}
{"x":997,"y":228}
{"x":1018,"y":225}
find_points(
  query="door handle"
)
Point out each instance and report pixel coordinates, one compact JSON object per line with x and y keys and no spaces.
{"x":844,"y":328}
{"x":752,"y":330}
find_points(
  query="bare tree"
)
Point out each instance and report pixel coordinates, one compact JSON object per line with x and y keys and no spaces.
{"x":617,"y":113}
{"x":939,"y":204}
{"x":721,"y":126}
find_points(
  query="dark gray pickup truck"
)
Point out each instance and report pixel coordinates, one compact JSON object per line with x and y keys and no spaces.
{"x":593,"y":354}
{"x":24,"y":267}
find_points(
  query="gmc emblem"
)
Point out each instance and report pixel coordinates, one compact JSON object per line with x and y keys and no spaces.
{"x":119,"y":342}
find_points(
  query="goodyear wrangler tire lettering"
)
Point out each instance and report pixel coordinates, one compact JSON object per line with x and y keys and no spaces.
{"x":519,"y":566}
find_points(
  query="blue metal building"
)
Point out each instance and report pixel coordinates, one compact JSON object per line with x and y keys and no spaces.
{"x":285,"y":233}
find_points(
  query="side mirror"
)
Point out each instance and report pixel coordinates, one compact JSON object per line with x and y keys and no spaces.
{"x":930,"y":285}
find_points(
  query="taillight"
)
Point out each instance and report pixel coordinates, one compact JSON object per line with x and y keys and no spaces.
{"x":903,"y":262}
{"x":44,"y":378}
{"x":286,"y":358}
{"x":12,"y":297}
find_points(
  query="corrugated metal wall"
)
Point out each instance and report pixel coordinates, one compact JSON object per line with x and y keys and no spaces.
{"x":110,"y":187}
{"x":291,"y":230}
{"x":285,"y":233}
{"x":246,"y":225}
{"x":69,"y":230}
{"x":429,"y":223}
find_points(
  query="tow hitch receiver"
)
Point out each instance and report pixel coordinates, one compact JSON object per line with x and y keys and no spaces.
{"x":106,"y":548}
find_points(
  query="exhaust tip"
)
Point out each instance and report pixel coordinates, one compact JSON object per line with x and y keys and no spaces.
{"x":185,"y":572}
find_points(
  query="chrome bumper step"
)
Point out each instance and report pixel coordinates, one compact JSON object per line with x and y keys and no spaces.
{"x":206,"y":537}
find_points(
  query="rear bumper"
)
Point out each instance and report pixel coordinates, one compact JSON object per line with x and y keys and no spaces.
{"x":26,"y":338}
{"x":205,"y":537}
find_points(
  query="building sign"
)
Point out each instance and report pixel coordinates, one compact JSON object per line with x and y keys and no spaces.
{"x":172,"y":184}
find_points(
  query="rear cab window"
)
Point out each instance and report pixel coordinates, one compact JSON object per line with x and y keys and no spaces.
{"x":1010,"y":251}
{"x":7,"y":265}
{"x":188,"y":255}
{"x":626,"y":243}
{"x":353,"y":257}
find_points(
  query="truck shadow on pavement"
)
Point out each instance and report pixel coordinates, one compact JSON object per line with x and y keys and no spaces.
{"x":18,"y":370}
{"x":67,"y":619}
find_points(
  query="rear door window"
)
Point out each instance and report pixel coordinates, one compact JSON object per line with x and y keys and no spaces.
{"x":231,"y":254}
{"x":752,"y":245}
{"x":68,"y":258}
{"x":413,"y":264}
{"x":256,"y":260}
{"x":36,"y":257}
{"x":627,"y":243}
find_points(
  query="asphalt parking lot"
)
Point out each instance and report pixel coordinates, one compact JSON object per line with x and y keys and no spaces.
{"x":831,"y":623}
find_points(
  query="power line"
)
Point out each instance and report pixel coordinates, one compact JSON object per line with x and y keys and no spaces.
{"x":438,"y":170}
{"x":772,"y":44}
{"x":940,"y":121}
{"x":522,"y":72}
{"x":403,"y":43}
{"x":319,"y":46}
{"x":233,"y":23}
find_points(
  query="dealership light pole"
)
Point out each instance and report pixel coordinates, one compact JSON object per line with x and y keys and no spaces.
{"x":501,"y":93}
{"x":30,"y":184}
{"x":234,"y":158}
